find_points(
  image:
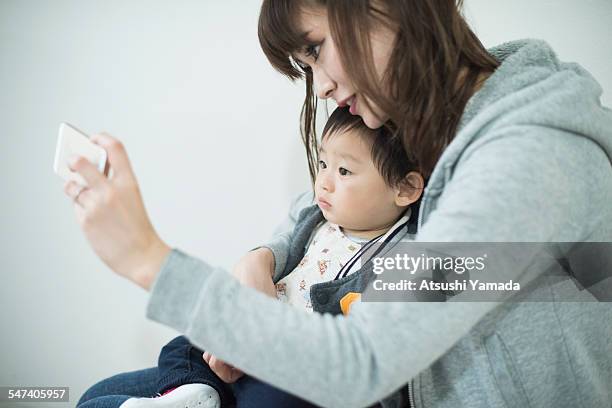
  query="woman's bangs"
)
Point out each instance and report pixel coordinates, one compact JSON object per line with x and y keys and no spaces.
{"x":278,"y":36}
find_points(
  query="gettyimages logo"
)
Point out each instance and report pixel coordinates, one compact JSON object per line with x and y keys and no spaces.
{"x":459,"y":264}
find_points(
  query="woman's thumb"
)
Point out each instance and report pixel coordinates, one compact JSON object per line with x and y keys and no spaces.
{"x":117,"y":155}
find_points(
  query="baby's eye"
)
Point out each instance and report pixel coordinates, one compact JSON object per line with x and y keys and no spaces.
{"x":343,"y":171}
{"x":322,"y":164}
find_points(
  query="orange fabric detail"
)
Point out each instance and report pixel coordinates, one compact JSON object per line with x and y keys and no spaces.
{"x":347,"y":300}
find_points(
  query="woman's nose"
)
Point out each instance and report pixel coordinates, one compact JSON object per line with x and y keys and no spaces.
{"x":324,"y":85}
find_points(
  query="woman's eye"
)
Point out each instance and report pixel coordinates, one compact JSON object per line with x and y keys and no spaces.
{"x":312,"y":50}
{"x":343,"y":171}
{"x":322,"y":164}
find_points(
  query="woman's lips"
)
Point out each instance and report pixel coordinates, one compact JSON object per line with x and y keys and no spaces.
{"x":345,"y":102}
{"x":324,"y":204}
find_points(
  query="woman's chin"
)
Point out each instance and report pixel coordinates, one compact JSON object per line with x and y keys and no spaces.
{"x":372,"y":121}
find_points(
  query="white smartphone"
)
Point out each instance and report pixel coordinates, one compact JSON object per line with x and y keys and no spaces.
{"x":72,"y":141}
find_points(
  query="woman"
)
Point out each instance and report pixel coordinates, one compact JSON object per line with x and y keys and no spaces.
{"x":516,"y":147}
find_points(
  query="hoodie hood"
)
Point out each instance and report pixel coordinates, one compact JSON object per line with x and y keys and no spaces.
{"x":532,"y":87}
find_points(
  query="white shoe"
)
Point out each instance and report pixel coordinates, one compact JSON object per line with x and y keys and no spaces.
{"x":184,"y":396}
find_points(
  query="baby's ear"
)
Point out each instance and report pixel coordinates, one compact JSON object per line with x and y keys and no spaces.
{"x":409,"y":189}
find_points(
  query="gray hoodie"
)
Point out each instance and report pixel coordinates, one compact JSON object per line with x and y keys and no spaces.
{"x":530,"y":163}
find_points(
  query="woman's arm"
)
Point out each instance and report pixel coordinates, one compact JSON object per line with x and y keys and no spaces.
{"x":531,"y":184}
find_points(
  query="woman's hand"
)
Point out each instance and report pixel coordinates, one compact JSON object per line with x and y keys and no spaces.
{"x":255,"y":269}
{"x":224,"y":371}
{"x":112,"y":215}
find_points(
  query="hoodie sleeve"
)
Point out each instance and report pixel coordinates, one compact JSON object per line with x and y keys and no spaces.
{"x":517,"y":187}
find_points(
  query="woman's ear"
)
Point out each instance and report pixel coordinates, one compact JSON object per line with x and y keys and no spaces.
{"x":409,"y":189}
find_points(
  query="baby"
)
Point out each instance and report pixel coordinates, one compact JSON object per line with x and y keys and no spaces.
{"x":364,"y":189}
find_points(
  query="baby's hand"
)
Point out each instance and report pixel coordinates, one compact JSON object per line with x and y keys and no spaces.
{"x":255,"y":269}
{"x":224,"y":371}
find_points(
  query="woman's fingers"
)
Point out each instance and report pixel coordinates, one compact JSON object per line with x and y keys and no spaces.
{"x":236,"y":374}
{"x":80,"y":195}
{"x":88,"y":171}
{"x":206,"y":356}
{"x":117,"y":155}
{"x":224,"y":371}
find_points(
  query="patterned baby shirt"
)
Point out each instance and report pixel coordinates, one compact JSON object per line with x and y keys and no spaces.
{"x":327,"y":253}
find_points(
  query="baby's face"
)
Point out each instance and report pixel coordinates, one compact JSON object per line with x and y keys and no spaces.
{"x":349,"y":189}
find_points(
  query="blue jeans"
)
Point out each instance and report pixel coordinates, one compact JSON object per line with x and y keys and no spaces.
{"x":113,"y":391}
{"x":181,"y":363}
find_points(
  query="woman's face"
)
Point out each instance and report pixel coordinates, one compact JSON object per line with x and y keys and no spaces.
{"x":330,"y":77}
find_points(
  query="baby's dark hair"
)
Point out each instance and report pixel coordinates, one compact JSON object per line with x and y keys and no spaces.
{"x":387,"y":150}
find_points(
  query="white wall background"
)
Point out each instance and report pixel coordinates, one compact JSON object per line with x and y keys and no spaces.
{"x":212,"y":134}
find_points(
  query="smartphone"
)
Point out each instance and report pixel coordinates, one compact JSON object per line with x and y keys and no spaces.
{"x":70,"y":142}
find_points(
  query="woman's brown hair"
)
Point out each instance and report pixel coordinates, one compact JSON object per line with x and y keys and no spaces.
{"x":432,"y":72}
